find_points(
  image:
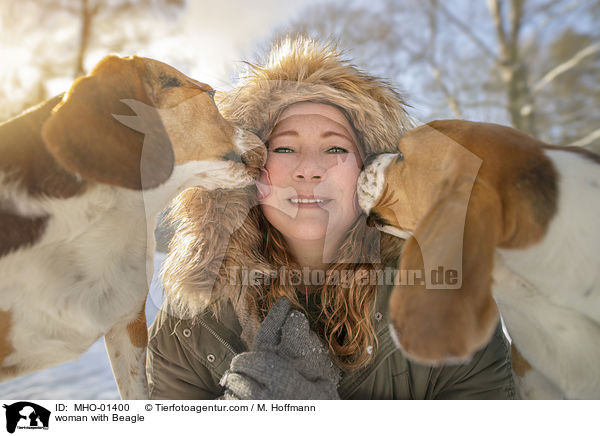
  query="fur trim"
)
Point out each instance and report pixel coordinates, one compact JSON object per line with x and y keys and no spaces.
{"x":303,"y":70}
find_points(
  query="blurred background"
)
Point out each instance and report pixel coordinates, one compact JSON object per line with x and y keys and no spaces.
{"x":530,"y":64}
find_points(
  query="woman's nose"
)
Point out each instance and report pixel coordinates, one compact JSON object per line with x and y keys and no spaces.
{"x":309,"y":169}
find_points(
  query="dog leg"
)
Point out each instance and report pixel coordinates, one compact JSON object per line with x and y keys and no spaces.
{"x":126,"y":344}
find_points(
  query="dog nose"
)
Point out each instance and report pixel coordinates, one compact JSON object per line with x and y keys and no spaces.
{"x":233,"y":156}
{"x":369,"y":160}
{"x":371,"y":221}
{"x":374,"y":220}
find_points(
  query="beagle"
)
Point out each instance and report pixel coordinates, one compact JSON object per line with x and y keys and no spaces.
{"x":83,"y":177}
{"x":491,"y":213}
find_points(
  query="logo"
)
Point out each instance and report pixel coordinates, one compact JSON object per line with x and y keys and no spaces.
{"x":26,"y":415}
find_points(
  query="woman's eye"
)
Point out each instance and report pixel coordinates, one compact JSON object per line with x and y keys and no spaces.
{"x":337,"y":150}
{"x":282,"y":150}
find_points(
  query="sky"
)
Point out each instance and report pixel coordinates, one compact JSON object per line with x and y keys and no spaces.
{"x":214,"y":36}
{"x":207,"y":40}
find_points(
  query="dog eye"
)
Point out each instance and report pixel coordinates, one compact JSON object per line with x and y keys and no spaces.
{"x":211,"y":93}
{"x":169,"y":81}
{"x":400,"y":157}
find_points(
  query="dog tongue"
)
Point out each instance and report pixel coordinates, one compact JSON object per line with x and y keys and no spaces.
{"x":263,"y":184}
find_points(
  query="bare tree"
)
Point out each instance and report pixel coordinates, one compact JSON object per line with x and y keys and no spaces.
{"x":533,"y":64}
{"x":59,"y":35}
{"x":89,"y":12}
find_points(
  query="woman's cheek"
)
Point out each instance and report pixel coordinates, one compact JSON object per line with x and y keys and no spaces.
{"x":345,"y":174}
{"x":348,"y":177}
{"x":274,"y":195}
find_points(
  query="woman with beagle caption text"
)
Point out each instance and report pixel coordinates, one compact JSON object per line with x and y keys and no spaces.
{"x":280,"y":290}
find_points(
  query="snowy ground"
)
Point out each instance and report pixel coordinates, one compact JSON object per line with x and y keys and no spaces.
{"x":88,"y":377}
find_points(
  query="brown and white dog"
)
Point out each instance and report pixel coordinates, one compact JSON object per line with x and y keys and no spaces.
{"x":82,"y":179}
{"x":489,"y":212}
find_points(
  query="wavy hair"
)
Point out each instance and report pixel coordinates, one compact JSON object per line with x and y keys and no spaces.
{"x":220,"y":233}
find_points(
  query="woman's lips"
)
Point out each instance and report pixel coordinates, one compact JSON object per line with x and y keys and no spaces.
{"x":308,"y":201}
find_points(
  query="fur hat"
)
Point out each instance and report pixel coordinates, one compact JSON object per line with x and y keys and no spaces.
{"x":304,"y":70}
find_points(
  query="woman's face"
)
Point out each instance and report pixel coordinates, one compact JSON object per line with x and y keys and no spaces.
{"x":313,"y":162}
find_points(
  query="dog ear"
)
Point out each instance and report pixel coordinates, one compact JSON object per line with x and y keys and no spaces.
{"x":86,"y":138}
{"x":448,"y":313}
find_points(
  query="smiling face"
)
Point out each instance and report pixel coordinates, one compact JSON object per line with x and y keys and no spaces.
{"x":313,"y":164}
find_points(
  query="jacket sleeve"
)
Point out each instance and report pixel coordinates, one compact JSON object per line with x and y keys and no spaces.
{"x":487,"y":376}
{"x":173,"y":371}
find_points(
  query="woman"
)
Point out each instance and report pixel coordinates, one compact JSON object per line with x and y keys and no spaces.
{"x":225,"y":329}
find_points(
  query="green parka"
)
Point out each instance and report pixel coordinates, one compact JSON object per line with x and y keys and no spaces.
{"x":187,"y":358}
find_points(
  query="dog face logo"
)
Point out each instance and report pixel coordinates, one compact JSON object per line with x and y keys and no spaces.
{"x":26,"y":415}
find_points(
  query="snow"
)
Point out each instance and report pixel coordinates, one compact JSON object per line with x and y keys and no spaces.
{"x":87,"y":378}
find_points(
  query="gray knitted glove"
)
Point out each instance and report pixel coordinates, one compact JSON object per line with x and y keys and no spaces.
{"x":287,"y":362}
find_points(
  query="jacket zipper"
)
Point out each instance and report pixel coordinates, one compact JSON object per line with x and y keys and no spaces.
{"x":217,"y":337}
